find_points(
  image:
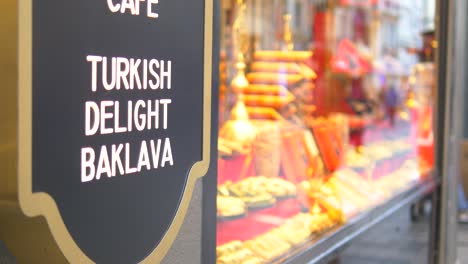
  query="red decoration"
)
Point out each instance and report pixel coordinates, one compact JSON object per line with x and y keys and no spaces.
{"x":348,"y":60}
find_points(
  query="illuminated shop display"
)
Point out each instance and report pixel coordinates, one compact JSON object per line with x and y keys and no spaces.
{"x":324,"y":115}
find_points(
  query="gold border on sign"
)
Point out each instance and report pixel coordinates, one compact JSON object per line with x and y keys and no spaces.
{"x":35,"y":204}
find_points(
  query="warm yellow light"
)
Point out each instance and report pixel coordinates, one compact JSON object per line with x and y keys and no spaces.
{"x":419,"y":67}
{"x":404,"y":116}
{"x":316,"y":209}
{"x":411,"y":103}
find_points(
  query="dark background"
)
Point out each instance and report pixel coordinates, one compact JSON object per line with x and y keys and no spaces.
{"x":121,"y":219}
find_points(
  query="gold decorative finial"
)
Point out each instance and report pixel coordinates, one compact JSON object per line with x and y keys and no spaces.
{"x":239,"y":28}
{"x":240,"y":82}
{"x":287,"y":34}
{"x":240,"y":41}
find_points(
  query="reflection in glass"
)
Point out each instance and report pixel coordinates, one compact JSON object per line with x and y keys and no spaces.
{"x":325,"y":113}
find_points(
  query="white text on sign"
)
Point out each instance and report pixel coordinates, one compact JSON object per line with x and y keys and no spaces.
{"x":133,"y":7}
{"x":109,"y":77}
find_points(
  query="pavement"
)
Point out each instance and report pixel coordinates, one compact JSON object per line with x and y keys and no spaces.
{"x":462,"y":243}
{"x":398,"y":240}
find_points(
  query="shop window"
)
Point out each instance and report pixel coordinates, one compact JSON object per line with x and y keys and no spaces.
{"x":321,"y":120}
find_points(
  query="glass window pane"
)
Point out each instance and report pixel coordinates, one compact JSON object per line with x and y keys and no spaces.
{"x":325,"y":114}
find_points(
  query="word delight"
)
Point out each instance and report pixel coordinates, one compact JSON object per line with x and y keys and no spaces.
{"x":108,"y":117}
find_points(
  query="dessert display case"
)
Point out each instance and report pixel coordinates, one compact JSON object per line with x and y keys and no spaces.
{"x":324,"y":118}
{"x":317,"y":140}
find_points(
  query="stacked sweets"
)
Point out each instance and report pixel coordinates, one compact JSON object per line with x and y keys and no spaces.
{"x":280,"y":85}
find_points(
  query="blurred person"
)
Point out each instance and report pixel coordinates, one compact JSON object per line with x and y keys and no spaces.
{"x":391,"y":103}
{"x":462,"y":205}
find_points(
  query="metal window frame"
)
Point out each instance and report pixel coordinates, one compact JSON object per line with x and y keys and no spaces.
{"x":448,"y":128}
{"x":452,"y":66}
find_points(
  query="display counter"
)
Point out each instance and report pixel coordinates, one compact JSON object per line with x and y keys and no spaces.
{"x":324,"y":129}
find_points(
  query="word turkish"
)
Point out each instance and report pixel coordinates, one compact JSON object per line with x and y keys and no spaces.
{"x":133,"y":7}
{"x":129,"y":73}
{"x":152,"y":155}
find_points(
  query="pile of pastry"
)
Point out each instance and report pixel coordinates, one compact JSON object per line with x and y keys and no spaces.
{"x":228,"y":206}
{"x":361,"y":184}
{"x":400,"y":179}
{"x":376,"y":151}
{"x":340,"y":197}
{"x":321,"y":223}
{"x":235,"y":253}
{"x":350,"y":200}
{"x":275,"y":243}
{"x":356,"y":160}
{"x":254,"y":192}
{"x":400,"y":146}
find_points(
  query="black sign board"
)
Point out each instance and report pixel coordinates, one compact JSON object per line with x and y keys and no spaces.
{"x":114,"y":121}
